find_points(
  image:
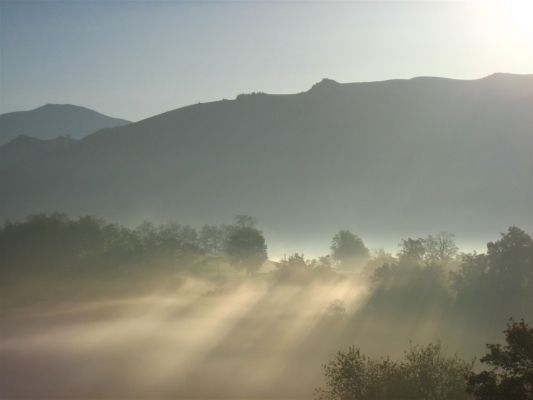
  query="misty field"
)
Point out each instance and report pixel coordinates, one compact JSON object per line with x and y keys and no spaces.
{"x":201,"y":339}
{"x":100,"y":310}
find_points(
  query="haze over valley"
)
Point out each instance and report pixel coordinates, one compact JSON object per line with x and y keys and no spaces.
{"x":383,"y":158}
{"x":266,"y":200}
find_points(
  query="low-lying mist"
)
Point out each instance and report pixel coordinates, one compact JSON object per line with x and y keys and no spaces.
{"x":121,"y":327}
{"x":244,"y":338}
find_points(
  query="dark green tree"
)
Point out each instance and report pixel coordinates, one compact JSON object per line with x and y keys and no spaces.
{"x":511,"y":367}
{"x":348,"y":249}
{"x":246,"y":248}
{"x":500,"y":283}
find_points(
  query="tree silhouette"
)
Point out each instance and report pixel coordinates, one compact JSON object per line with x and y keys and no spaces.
{"x":495,"y":285}
{"x":511,"y":373}
{"x":246,"y":248}
{"x":412,"y":251}
{"x":440,"y":249}
{"x":348,"y":249}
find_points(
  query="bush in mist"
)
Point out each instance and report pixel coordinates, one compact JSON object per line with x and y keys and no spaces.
{"x":511,"y":373}
{"x":425,"y":372}
{"x":299,"y":270}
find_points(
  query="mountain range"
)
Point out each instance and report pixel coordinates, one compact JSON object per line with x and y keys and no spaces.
{"x":380,"y":158}
{"x":52,"y":120}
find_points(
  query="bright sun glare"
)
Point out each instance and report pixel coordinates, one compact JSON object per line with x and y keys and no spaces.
{"x":507,"y":17}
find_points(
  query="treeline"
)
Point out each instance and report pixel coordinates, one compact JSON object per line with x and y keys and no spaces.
{"x":56,"y":244}
{"x":427,"y":276}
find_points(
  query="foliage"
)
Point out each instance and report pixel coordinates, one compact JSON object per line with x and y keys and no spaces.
{"x":297,"y":269}
{"x":440,"y":249}
{"x":348,"y":249}
{"x":511,"y":373}
{"x":411,"y":251}
{"x":246,"y":248}
{"x":499,"y":283}
{"x":62,"y":246}
{"x":409,"y":290}
{"x":424,"y":373}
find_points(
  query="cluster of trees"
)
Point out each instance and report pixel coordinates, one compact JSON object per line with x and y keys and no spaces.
{"x":428,"y":373}
{"x":60,"y":244}
{"x":417,"y":279}
{"x":297,"y":269}
{"x":423,"y":373}
{"x":429,"y":275}
{"x":57,"y":244}
{"x":348,"y":253}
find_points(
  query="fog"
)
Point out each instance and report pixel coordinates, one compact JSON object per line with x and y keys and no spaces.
{"x":203,"y":339}
{"x":96,"y":310}
{"x":246,"y":338}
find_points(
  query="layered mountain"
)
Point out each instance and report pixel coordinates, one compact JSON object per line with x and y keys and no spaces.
{"x":53,"y":120}
{"x":382,"y":158}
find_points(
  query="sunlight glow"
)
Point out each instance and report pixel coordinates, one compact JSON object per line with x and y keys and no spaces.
{"x":504,"y":18}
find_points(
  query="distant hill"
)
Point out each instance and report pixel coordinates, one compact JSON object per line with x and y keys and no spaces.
{"x":52,"y":120}
{"x":381,"y":158}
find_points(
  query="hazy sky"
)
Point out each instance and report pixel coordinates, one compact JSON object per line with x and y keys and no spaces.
{"x":134,"y":59}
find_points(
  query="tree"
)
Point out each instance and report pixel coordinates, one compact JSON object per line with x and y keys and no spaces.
{"x":511,"y":258}
{"x":430,"y":374}
{"x":246,"y":248}
{"x":380,"y":258}
{"x":511,"y":373}
{"x":425,"y":373}
{"x":495,"y":285}
{"x":346,"y":376}
{"x":440,"y":249}
{"x":348,"y":249}
{"x":294,"y":268}
{"x":411,"y":251}
{"x":212,"y":239}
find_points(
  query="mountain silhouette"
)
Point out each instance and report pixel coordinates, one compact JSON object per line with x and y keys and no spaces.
{"x":52,"y":120}
{"x":381,"y":158}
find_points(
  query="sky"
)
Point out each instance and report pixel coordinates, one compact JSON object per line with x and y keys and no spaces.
{"x":135,"y":59}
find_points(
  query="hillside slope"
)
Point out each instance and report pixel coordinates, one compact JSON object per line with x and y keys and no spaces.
{"x":381,"y":158}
